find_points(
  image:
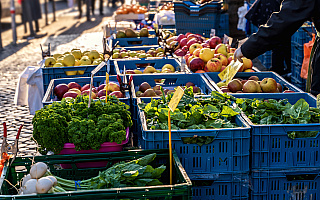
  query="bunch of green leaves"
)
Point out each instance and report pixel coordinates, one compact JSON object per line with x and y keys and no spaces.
{"x":73,"y":122}
{"x":191,"y":113}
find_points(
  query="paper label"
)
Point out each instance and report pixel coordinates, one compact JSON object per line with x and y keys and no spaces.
{"x":176,"y":99}
{"x":230,"y":71}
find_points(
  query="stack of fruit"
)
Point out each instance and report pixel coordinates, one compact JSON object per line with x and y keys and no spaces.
{"x":167,"y":68}
{"x":135,"y":9}
{"x":209,"y":55}
{"x":130,"y":33}
{"x":74,"y":58}
{"x":252,"y":85}
{"x":127,"y":54}
{"x":166,"y":6}
{"x":73,"y":89}
{"x":145,"y":90}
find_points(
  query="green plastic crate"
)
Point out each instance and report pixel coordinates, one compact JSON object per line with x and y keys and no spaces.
{"x":181,"y":188}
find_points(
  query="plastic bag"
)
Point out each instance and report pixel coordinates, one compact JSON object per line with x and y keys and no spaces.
{"x":307,"y":47}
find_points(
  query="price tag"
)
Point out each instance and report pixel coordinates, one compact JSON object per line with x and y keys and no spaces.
{"x":102,"y":64}
{"x":230,"y":71}
{"x":176,"y":99}
{"x":318,"y":101}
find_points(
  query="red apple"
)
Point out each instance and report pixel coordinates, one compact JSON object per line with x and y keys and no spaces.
{"x":183,"y":42}
{"x":60,"y":89}
{"x":186,"y":57}
{"x":196,"y":64}
{"x":74,"y":85}
{"x":222,"y":58}
{"x":288,"y":91}
{"x":205,"y":45}
{"x":214,"y":65}
{"x":200,"y":71}
{"x":214,"y":41}
{"x":187,"y":34}
{"x":70,"y":94}
{"x":101,"y":87}
{"x":192,"y":41}
{"x":180,"y":37}
{"x":222,"y":68}
{"x":185,"y":49}
{"x":130,"y":71}
{"x":85,"y":87}
{"x":118,"y":94}
{"x":86,"y":92}
{"x":191,"y":36}
{"x":102,"y":93}
{"x":113,"y":87}
{"x":197,"y":52}
{"x":179,"y":52}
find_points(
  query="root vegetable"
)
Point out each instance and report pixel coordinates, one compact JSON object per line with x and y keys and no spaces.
{"x":53,"y":179}
{"x":30,"y":187}
{"x":38,"y":170}
{"x":25,"y":179}
{"x":43,"y":185}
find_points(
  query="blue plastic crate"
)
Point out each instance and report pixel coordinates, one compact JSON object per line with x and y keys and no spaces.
{"x":296,"y":70}
{"x":222,"y":187}
{"x":137,"y":48}
{"x":300,"y":36}
{"x":287,"y":185}
{"x":297,"y":52}
{"x":49,"y":95}
{"x":140,"y":64}
{"x":223,"y":25}
{"x":301,"y":84}
{"x":271,"y":146}
{"x":130,"y":42}
{"x":214,"y":78}
{"x":49,"y":73}
{"x":169,"y":81}
{"x":228,"y":153}
{"x":266,"y":59}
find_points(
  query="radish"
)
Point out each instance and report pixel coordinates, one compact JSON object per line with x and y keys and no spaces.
{"x":38,"y":170}
{"x":25,"y":179}
{"x":53,"y":179}
{"x":43,"y":185}
{"x":30,"y":187}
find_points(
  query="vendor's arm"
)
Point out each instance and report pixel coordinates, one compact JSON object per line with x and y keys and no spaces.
{"x":280,"y":26}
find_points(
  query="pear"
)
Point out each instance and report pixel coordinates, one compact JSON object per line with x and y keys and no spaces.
{"x":49,"y":62}
{"x":169,"y":67}
{"x":85,"y":60}
{"x":137,"y":71}
{"x":69,"y":60}
{"x":60,"y":60}
{"x":85,"y":53}
{"x":57,"y":55}
{"x":58,"y":65}
{"x":77,"y":62}
{"x":93,"y":55}
{"x":76,"y":53}
{"x":149,"y":69}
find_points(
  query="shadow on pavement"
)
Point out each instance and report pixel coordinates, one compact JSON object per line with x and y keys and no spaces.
{"x":11,"y":49}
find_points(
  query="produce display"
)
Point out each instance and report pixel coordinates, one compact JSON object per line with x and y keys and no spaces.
{"x":130,"y":33}
{"x":135,"y":9}
{"x":87,"y":128}
{"x":166,"y":6}
{"x":73,"y":89}
{"x":135,"y":173}
{"x":75,"y":57}
{"x":167,"y":68}
{"x":271,"y":111}
{"x":206,"y":55}
{"x":127,"y":54}
{"x":191,"y":113}
{"x":145,"y":90}
{"x":252,"y":85}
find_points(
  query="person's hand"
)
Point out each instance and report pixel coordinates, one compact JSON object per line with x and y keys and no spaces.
{"x":238,"y":55}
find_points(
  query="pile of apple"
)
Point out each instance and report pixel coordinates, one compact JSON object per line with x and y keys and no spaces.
{"x":209,"y":55}
{"x":145,"y":90}
{"x":74,"y":58}
{"x":127,"y":54}
{"x":73,"y":89}
{"x":252,"y":85}
{"x":136,"y":9}
{"x":166,"y":6}
{"x":167,"y":68}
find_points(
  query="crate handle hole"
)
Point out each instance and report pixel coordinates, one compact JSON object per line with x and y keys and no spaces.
{"x":302,"y":134}
{"x":301,"y":177}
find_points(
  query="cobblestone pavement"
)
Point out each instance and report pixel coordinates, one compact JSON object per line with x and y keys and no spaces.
{"x":67,"y":33}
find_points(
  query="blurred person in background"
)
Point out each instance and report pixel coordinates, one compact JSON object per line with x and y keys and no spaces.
{"x":259,"y":14}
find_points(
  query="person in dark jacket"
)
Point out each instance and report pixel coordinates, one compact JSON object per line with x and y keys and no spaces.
{"x":282,"y":25}
{"x":258,"y":15}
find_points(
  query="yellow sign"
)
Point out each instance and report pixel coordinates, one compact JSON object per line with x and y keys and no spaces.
{"x":176,"y":99}
{"x":230,"y":71}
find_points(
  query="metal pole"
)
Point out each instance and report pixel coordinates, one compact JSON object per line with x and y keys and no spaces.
{"x":13,"y":22}
{"x":0,"y":27}
{"x":54,"y":10}
{"x":46,"y":11}
{"x":88,"y":2}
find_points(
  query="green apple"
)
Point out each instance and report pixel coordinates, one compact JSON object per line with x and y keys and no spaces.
{"x":57,"y":55}
{"x":160,"y":54}
{"x":66,"y":53}
{"x":96,"y":62}
{"x":76,"y":53}
{"x":60,"y":60}
{"x":69,"y":60}
{"x":142,"y":55}
{"x":77,"y":62}
{"x":149,"y":55}
{"x":115,"y":55}
{"x":85,"y":60}
{"x":49,"y":62}
{"x":93,"y":55}
{"x":124,"y":54}
{"x":116,"y":51}
{"x":132,"y":53}
{"x":159,"y":49}
{"x":58,"y":65}
{"x":85,"y":53}
{"x":153,"y":49}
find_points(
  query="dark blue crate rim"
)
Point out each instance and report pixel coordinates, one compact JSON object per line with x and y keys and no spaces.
{"x":157,"y":63}
{"x":127,"y":42}
{"x":224,"y":187}
{"x":213,"y":78}
{"x":270,"y":184}
{"x":228,"y":153}
{"x":137,"y":48}
{"x":271,"y":146}
{"x":47,"y":99}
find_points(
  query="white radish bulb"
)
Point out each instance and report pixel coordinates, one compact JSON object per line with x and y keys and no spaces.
{"x":38,"y":170}
{"x":25,"y":179}
{"x":30,"y":187}
{"x":53,"y":179}
{"x":43,"y":185}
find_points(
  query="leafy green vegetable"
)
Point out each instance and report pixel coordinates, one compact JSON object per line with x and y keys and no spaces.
{"x":73,"y":122}
{"x":191,"y":113}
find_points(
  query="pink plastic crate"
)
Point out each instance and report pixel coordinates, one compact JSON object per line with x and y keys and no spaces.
{"x":69,"y":148}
